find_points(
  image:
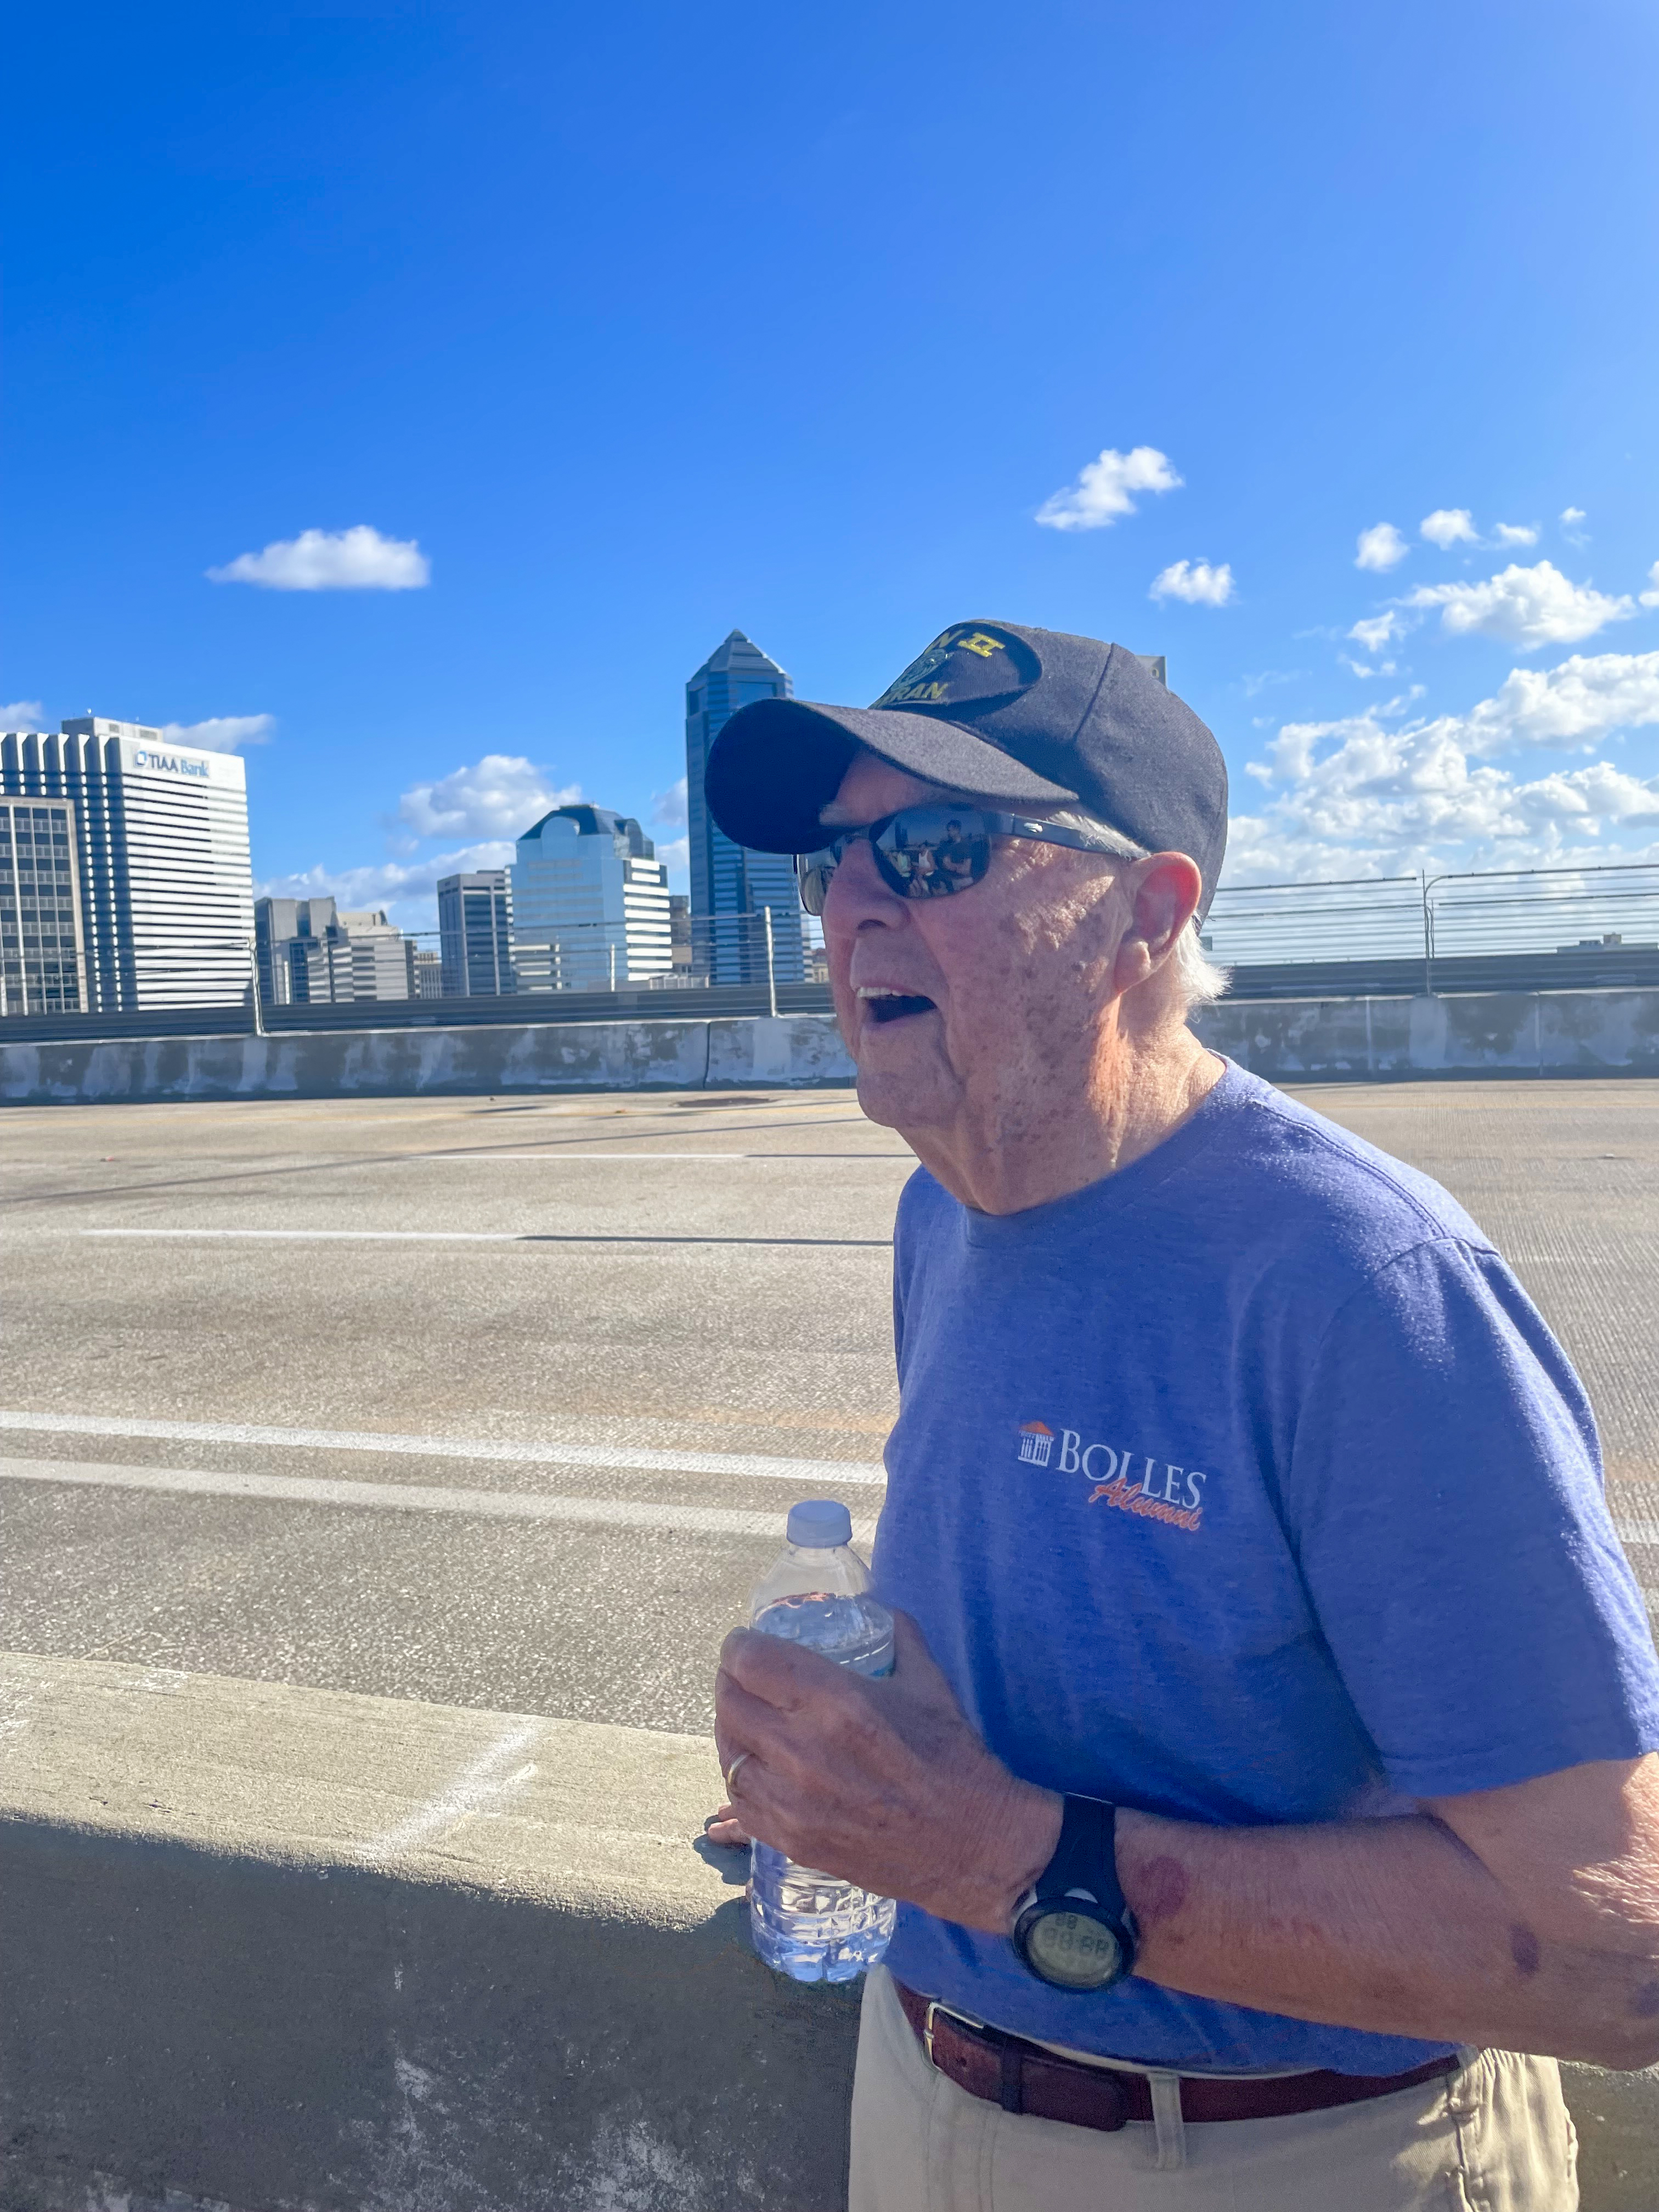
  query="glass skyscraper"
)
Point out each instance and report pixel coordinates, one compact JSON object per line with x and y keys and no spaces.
{"x":728,"y":881}
{"x":590,"y":903}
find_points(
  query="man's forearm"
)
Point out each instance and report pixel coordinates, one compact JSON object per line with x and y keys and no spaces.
{"x":1389,"y":1925}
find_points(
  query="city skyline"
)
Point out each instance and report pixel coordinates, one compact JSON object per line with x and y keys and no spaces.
{"x":425,"y":480}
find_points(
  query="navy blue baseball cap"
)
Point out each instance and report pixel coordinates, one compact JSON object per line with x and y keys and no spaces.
{"x":1033,"y":718}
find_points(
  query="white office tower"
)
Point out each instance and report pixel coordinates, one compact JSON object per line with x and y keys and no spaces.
{"x":311,"y":954}
{"x":165,"y":887}
{"x":378,"y":959}
{"x":590,"y":903}
{"x":475,"y":934}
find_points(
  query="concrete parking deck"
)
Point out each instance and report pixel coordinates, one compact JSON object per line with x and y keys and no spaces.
{"x":430,"y":1408}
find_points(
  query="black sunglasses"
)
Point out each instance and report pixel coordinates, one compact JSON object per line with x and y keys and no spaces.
{"x":928,"y":852}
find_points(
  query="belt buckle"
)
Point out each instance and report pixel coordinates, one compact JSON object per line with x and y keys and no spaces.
{"x":961,"y":2019}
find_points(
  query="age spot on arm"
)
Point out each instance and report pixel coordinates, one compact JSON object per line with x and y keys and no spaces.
{"x":1160,"y":1892}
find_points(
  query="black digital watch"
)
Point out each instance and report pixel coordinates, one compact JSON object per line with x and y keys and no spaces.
{"x":1073,"y":1928}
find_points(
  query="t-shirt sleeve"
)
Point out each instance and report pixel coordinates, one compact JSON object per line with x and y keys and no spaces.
{"x":1446,"y":1501}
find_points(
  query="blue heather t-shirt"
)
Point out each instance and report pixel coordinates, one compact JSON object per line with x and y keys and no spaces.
{"x":1245,"y":1486}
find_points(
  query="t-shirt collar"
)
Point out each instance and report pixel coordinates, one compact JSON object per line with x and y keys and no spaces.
{"x":1127,"y":1186}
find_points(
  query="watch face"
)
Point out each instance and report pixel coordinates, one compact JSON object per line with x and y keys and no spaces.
{"x":1073,"y":1951}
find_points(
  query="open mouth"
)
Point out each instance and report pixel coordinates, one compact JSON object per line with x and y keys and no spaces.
{"x":885,"y":1005}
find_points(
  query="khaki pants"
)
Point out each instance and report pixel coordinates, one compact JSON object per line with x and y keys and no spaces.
{"x":1493,"y":2138}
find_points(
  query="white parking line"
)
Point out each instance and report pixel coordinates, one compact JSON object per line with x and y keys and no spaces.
{"x":609,"y":1458}
{"x":406,"y":1497}
{"x":475,"y":1237}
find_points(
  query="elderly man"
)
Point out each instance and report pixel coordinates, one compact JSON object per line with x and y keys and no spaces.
{"x":1267,"y":1761}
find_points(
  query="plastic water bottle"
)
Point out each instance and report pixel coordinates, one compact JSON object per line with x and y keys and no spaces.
{"x":809,"y":1926}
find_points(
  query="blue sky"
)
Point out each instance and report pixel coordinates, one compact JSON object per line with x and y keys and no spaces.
{"x":612,"y":329}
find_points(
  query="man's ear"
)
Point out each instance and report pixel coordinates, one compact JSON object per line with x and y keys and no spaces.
{"x":1163,"y":893}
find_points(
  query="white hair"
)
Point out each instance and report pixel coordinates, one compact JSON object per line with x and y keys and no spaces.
{"x":1199,"y":981}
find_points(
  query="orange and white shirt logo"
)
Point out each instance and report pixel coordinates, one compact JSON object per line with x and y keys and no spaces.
{"x":1142,"y":1483}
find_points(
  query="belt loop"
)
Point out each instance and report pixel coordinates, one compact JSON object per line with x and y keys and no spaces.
{"x":1013,"y":2078}
{"x":1168,"y":2119}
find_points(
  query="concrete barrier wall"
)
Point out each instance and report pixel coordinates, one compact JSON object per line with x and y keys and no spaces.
{"x":1507,"y":1032}
{"x":277,"y":1950}
{"x":1551,"y":1033}
{"x":675,"y":1055}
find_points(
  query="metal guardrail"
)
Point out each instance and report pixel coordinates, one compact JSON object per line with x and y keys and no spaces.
{"x":1611,"y":968}
{"x":1535,"y":929}
{"x":1608,"y":969}
{"x":1545,"y":924}
{"x":640,"y":1004}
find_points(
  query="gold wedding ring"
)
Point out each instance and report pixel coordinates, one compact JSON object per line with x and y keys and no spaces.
{"x":732,"y":1770}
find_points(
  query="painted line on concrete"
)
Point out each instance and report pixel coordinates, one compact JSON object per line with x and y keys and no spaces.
{"x":405,"y":1498}
{"x":476,"y":1785}
{"x":559,"y":1158}
{"x":1635,"y":1509}
{"x":607,"y":1458}
{"x":470,"y":1236}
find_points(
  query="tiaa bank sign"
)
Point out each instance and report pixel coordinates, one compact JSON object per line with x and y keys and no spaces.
{"x":170,"y":763}
{"x":180,"y":763}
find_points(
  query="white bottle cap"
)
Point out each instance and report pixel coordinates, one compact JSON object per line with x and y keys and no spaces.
{"x":819,"y":1525}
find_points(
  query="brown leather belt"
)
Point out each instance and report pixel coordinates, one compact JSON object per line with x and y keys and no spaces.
{"x":1023,"y":2077}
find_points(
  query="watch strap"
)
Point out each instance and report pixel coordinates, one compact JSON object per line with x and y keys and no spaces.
{"x":1086,"y":1856}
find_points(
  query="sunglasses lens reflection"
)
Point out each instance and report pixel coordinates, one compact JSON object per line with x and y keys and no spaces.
{"x":931,"y":852}
{"x":926,"y":851}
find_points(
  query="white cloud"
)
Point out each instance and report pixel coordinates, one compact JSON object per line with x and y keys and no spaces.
{"x":356,"y":560}
{"x":675,"y":854}
{"x":1448,"y":526}
{"x":1353,"y":794}
{"x":1570,"y":707}
{"x":385,"y":882}
{"x":21,"y":714}
{"x":669,"y":807}
{"x":1515,"y":533}
{"x":1378,"y":631}
{"x":1195,"y":581}
{"x":1571,"y":514}
{"x":501,"y":795}
{"x":222,"y":733}
{"x":1401,"y":794}
{"x":1105,"y":488}
{"x":1529,"y":606}
{"x":1572,"y":519}
{"x":1381,"y":547}
{"x":1651,"y":598}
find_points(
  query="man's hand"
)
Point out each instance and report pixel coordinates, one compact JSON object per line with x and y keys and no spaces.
{"x":879,"y":1783}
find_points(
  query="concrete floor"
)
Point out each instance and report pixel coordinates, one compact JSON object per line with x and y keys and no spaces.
{"x":703,"y":1307}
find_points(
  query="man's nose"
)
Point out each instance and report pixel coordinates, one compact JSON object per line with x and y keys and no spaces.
{"x":857,"y":895}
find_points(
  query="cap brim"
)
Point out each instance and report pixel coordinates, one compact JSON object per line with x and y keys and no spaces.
{"x":779,"y":762}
